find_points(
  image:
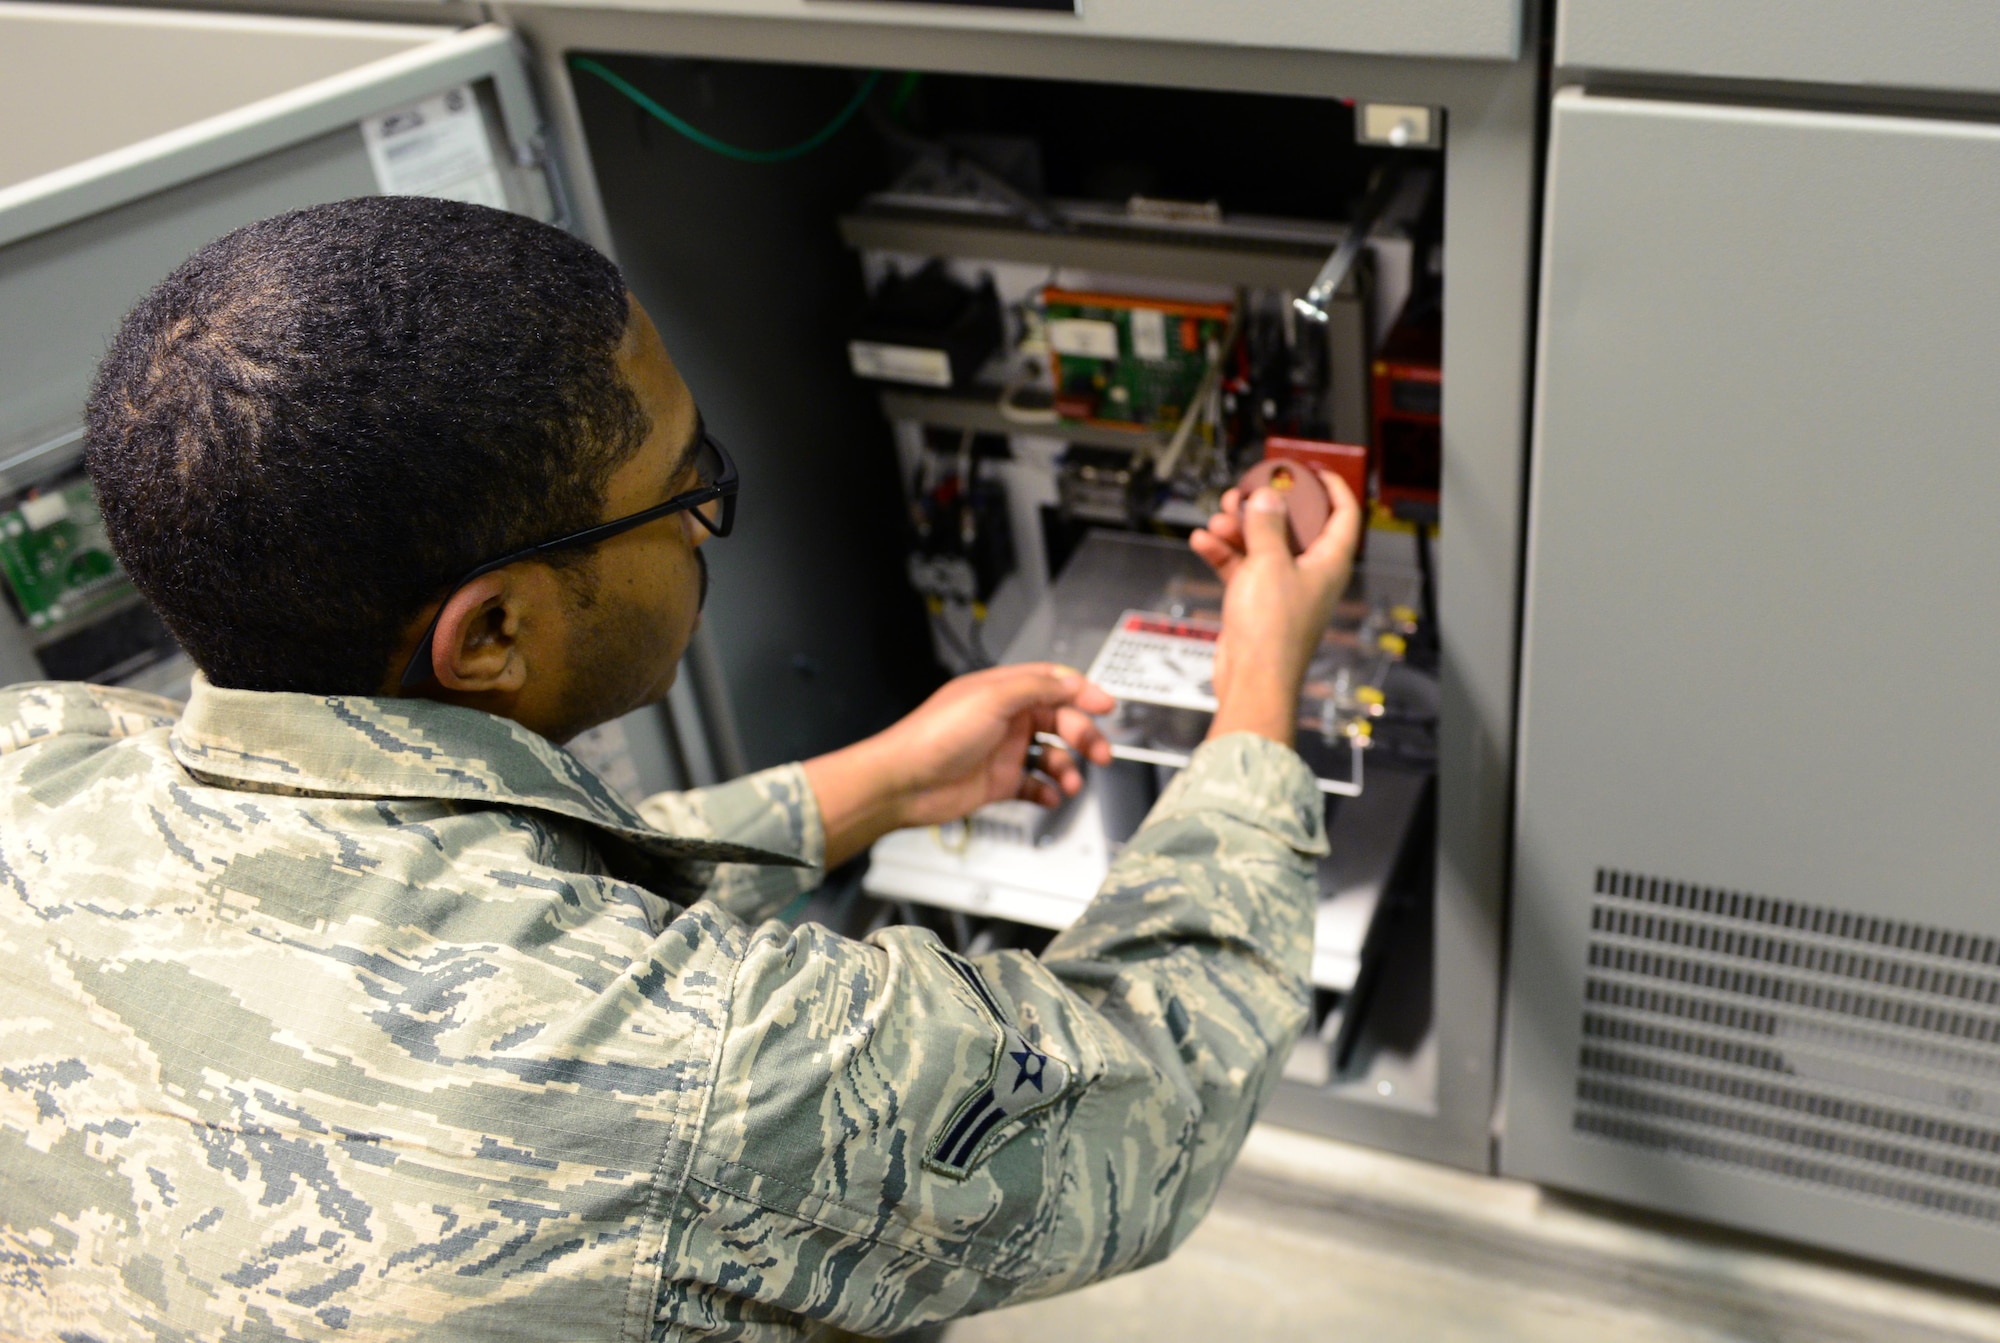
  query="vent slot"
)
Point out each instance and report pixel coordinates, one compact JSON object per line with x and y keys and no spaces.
{"x":1806,"y":1044}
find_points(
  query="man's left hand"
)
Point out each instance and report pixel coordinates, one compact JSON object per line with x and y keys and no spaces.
{"x":965,"y":746}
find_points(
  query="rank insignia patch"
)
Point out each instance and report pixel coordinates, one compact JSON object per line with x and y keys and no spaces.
{"x":1023,"y":1080}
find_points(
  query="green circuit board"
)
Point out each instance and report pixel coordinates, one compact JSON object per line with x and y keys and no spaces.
{"x":1133,"y":364}
{"x":57,"y":558}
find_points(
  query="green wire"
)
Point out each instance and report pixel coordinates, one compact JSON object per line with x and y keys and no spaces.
{"x":905,"y":89}
{"x":729,"y":151}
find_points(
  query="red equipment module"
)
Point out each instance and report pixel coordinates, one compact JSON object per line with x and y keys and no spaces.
{"x":1408,"y":394}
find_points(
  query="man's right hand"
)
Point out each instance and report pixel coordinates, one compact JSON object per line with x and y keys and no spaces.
{"x":1275,"y":606}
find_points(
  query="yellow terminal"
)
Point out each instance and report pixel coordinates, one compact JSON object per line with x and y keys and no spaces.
{"x":1393,"y":644}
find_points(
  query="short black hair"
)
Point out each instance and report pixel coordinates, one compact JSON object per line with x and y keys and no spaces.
{"x":317,"y":422}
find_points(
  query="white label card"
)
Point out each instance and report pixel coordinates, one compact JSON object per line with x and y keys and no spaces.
{"x":1084,"y":338}
{"x":899,"y":363}
{"x":1149,"y":333}
{"x":437,"y":147}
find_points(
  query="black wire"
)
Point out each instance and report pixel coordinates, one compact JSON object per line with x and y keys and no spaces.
{"x":1429,"y":580}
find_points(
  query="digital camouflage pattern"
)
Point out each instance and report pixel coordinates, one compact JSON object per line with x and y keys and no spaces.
{"x":337,"y":1017}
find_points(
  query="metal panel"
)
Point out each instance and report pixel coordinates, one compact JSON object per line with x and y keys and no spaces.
{"x":64,"y":291}
{"x":1917,"y":44}
{"x":1758,"y":666}
{"x":262,"y":117}
{"x":260,"y":126}
{"x":93,"y":80}
{"x":1489,"y":184}
{"x":80,"y":245}
{"x":1488,"y":29}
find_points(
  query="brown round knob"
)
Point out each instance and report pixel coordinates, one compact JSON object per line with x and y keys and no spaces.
{"x":1307,"y":506}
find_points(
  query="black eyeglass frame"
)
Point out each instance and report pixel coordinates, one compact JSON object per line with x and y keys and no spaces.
{"x":691,"y":501}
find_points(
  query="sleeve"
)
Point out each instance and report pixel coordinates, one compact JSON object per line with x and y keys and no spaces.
{"x":774,"y":810}
{"x":899,"y":1135}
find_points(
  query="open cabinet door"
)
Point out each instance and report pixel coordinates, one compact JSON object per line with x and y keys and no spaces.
{"x":154,"y":132}
{"x":262,"y":115}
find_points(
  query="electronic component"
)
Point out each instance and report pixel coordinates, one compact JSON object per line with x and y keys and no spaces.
{"x":57,"y":558}
{"x":926,"y":330}
{"x":959,"y":515}
{"x":963,"y":544}
{"x":1130,"y":363}
{"x":1110,"y":485}
{"x":1307,"y":506}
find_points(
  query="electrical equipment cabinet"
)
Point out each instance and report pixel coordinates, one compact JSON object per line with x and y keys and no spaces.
{"x":1751,"y":976}
{"x":1755,"y":958}
{"x":746,"y":269}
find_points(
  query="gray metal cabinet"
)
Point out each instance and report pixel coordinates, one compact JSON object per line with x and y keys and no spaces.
{"x":1457,"y":29}
{"x":142,"y":136}
{"x":1915,"y":44}
{"x":1755,"y":954}
{"x":160,"y":131}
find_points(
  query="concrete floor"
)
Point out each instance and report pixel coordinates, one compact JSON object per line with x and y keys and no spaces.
{"x":1315,"y":1240}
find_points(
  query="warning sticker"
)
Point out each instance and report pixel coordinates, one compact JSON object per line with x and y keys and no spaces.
{"x":437,"y":147}
{"x":1160,"y":659}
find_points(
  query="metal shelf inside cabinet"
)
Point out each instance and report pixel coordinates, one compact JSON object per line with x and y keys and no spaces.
{"x":44,"y":460}
{"x":91,"y":615}
{"x":981,"y":415}
{"x":1232,"y":259}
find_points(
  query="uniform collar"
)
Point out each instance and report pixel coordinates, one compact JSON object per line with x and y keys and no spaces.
{"x":366,"y":746}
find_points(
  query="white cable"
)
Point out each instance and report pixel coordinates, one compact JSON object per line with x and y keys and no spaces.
{"x":1197,"y":407}
{"x":1014,"y":413}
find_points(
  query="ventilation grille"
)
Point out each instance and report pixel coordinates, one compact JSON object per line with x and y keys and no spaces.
{"x":1853,"y":1053}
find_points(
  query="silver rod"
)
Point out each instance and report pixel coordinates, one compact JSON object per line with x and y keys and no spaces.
{"x":1314,"y":304}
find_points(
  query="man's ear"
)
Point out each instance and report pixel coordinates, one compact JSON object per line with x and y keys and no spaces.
{"x":477,"y":647}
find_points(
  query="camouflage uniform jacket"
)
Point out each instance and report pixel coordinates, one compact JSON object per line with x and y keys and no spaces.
{"x":381,"y":1019}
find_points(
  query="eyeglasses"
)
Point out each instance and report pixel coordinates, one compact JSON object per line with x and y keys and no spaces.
{"x":712,"y":502}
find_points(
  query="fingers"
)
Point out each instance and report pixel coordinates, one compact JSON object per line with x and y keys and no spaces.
{"x":1336,"y":541}
{"x":1039,"y":791}
{"x":1227,"y":526}
{"x":1077,"y":732}
{"x":1218,"y":554}
{"x":1036,"y":685}
{"x":1059,"y":766}
{"x":1082,"y":733}
{"x":1266,"y":530}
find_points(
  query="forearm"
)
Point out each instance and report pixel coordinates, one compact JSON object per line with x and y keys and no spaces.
{"x":856,"y":804}
{"x":1263,"y":699}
